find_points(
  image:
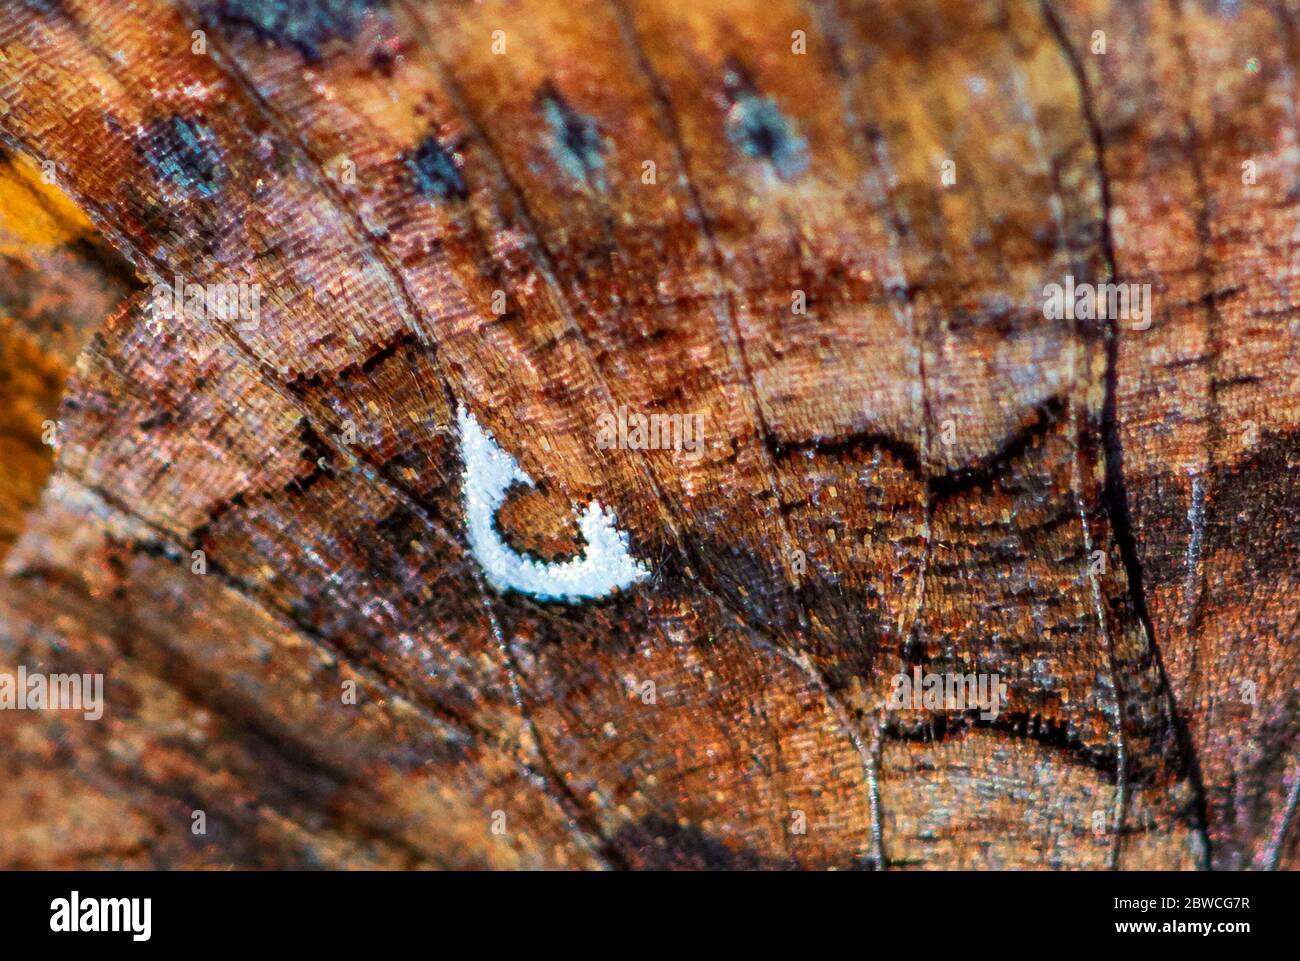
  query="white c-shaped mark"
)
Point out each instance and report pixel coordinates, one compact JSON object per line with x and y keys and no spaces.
{"x":604,"y":566}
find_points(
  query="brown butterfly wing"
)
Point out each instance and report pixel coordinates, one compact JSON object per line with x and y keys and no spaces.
{"x":908,"y":465}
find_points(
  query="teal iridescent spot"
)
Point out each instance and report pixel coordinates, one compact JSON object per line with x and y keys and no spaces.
{"x":575,"y":142}
{"x":183,"y":152}
{"x":305,"y":25}
{"x":759,"y":130}
{"x":435,"y":171}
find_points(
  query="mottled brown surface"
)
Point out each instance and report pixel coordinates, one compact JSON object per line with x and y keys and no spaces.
{"x":922,"y":469}
{"x":57,"y":284}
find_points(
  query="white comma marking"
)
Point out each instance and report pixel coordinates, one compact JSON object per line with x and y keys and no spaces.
{"x":604,"y":566}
